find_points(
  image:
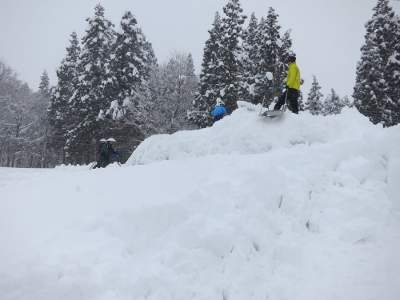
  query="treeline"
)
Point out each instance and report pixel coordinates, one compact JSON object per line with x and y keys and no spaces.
{"x":238,"y":64}
{"x":236,"y":61}
{"x":23,"y":122}
{"x":317,"y":105}
{"x":111,"y":85}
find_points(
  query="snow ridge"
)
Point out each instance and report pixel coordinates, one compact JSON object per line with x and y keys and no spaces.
{"x":245,"y":133}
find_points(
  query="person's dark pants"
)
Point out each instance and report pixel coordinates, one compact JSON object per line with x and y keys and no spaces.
{"x":292,"y":97}
{"x":218,"y":117}
{"x":102,"y":163}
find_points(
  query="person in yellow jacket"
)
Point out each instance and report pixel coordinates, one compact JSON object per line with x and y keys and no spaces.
{"x":292,"y":87}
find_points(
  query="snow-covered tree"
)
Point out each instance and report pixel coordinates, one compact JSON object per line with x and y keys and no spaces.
{"x":333,"y":104}
{"x":377,"y":92}
{"x":44,"y":86}
{"x":230,"y":51}
{"x":132,"y":64}
{"x":96,"y":90}
{"x":267,"y":54}
{"x":248,"y":57}
{"x":15,"y":119}
{"x":21,"y":121}
{"x":370,"y":83}
{"x":103,"y":90}
{"x":346,"y":102}
{"x":393,"y":73}
{"x":211,"y":77}
{"x":268,"y":38}
{"x":59,"y":113}
{"x":178,"y":86}
{"x":314,"y":103}
{"x":42,"y":101}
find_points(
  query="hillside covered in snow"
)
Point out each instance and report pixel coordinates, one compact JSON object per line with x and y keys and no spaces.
{"x":303,"y":207}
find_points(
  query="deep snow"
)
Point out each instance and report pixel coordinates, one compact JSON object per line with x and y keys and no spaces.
{"x":303,"y":207}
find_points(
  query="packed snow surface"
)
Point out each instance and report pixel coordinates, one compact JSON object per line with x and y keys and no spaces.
{"x":302,"y":207}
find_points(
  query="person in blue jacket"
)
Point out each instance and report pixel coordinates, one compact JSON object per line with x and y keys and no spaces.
{"x":219,"y":111}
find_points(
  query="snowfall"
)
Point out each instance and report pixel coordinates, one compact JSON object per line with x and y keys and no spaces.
{"x":301,"y":207}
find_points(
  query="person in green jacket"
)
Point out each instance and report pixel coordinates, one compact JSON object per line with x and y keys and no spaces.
{"x":292,"y":87}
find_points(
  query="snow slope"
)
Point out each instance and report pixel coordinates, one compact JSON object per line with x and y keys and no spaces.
{"x":302,"y":207}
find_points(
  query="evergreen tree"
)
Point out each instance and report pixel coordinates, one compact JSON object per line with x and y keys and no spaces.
{"x":59,"y":113}
{"x":376,"y":92}
{"x":211,"y":77}
{"x":44,"y":86}
{"x":346,"y":102}
{"x":370,"y":84}
{"x":133,"y":59}
{"x":96,"y":90}
{"x":393,"y":73}
{"x":249,"y":54}
{"x":132,"y":64}
{"x":149,"y":56}
{"x":148,"y":107}
{"x":230,"y":51}
{"x":392,"y":108}
{"x":269,"y":54}
{"x":268,"y":38}
{"x":333,"y":104}
{"x":41,"y":103}
{"x":313,"y":103}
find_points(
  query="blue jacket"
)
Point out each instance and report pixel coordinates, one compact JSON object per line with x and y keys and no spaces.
{"x":219,"y":110}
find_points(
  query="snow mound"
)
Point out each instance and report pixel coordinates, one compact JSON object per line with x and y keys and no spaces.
{"x":244,"y":132}
{"x":303,"y":207}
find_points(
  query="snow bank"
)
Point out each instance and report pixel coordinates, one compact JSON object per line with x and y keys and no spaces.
{"x":304,"y":207}
{"x":245,"y":133}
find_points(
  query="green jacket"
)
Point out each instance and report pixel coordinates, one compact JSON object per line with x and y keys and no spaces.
{"x":107,"y":150}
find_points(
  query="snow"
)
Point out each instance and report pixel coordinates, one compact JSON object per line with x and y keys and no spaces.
{"x":302,"y":207}
{"x":269,"y":75}
{"x":251,"y":89}
{"x":127,"y":101}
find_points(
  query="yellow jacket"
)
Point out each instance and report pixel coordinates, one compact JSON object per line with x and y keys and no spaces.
{"x":293,"y":76}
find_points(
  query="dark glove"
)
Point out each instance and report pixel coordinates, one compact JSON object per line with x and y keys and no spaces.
{"x":113,"y":155}
{"x":119,"y":154}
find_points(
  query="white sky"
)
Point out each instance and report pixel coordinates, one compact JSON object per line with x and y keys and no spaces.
{"x":327,"y":35}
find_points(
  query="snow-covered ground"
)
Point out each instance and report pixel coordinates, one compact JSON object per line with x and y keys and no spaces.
{"x":303,"y":207}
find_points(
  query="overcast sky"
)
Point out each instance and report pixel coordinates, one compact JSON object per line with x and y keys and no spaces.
{"x":327,"y":34}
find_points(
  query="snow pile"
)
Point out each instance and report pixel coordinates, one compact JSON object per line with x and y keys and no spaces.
{"x":245,"y":133}
{"x":303,"y":207}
